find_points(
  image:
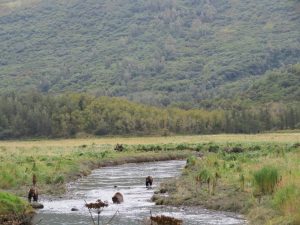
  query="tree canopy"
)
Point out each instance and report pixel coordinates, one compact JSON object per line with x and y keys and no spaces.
{"x":69,"y":115}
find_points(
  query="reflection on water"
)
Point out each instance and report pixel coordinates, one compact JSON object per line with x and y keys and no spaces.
{"x":130,"y":181}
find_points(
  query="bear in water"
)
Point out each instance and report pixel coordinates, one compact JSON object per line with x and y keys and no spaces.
{"x":149,"y":181}
{"x":118,"y":198}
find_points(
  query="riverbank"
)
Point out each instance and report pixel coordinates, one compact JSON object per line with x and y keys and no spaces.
{"x":57,"y":162}
{"x":56,"y":167}
{"x":14,"y":210}
{"x":259,"y":181}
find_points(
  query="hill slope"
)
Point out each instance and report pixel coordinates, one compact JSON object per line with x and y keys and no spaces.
{"x":149,"y":51}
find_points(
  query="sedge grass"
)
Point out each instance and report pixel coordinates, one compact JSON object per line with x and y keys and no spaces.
{"x":12,"y":204}
{"x":266,"y":179}
{"x":272,"y":169}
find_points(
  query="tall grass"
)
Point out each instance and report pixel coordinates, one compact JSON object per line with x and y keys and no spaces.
{"x":231,"y":182}
{"x":287,"y":200}
{"x":11,"y":204}
{"x":204,"y":176}
{"x":266,"y":179}
{"x":54,"y":166}
{"x":228,"y":174}
{"x":191,"y":161}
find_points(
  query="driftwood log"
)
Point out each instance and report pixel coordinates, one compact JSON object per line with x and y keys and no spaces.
{"x":162,"y":220}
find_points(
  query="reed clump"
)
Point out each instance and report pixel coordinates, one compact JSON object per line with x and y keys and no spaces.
{"x":266,"y":179}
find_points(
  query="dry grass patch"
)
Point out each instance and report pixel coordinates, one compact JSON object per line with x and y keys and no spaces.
{"x":221,"y":138}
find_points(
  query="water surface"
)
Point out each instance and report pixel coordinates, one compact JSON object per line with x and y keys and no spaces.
{"x":130,"y":181}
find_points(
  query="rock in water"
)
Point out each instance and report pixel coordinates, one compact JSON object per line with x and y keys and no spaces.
{"x":37,"y":205}
{"x":74,"y":209}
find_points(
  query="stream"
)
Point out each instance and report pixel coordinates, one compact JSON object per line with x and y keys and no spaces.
{"x":130,"y":181}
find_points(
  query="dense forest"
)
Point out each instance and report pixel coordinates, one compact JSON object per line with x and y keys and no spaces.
{"x":69,"y":115}
{"x":159,"y":52}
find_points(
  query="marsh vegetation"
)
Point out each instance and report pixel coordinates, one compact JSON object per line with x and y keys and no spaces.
{"x":260,"y":180}
{"x":257,"y":175}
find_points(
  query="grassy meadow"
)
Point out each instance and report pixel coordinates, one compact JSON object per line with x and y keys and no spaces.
{"x":258,"y":179}
{"x":285,"y":137}
{"x":227,"y":177}
{"x":58,"y":161}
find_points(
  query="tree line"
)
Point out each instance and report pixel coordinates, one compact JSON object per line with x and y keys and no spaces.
{"x":68,"y":115}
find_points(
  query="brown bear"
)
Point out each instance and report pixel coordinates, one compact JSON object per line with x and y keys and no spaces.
{"x":149,"y":181}
{"x":117,"y":198}
{"x":33,"y":194}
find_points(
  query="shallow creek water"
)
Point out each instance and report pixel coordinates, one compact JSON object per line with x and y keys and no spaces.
{"x":130,"y":181}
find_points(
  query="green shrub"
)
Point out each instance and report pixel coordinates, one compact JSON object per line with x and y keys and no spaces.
{"x":199,"y":147}
{"x":182,"y":147}
{"x":213,"y":148}
{"x":266,"y":179}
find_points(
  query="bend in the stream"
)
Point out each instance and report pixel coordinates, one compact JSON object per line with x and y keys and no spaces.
{"x":130,"y":181}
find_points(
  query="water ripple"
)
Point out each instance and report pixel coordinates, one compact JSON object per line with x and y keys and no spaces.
{"x":130,"y":181}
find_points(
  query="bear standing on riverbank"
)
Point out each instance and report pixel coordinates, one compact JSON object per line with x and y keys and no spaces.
{"x":33,"y":191}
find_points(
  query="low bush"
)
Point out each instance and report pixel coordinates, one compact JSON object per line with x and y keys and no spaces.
{"x":213,"y":148}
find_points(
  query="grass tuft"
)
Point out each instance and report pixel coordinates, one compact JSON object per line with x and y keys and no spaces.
{"x":266,"y":179}
{"x":11,"y":204}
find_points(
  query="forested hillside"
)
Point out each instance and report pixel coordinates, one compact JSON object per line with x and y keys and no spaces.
{"x":160,"y":52}
{"x":278,"y":85}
